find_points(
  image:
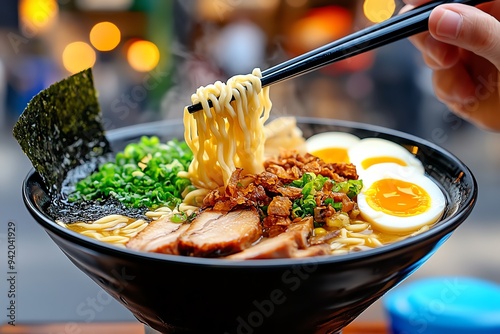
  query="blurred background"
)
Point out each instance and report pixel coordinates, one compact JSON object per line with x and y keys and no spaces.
{"x":149,"y":56}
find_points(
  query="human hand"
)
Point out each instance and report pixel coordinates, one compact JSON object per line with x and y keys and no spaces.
{"x":462,"y":47}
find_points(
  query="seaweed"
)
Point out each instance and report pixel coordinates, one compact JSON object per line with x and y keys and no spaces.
{"x":61,"y":128}
{"x":90,"y":211}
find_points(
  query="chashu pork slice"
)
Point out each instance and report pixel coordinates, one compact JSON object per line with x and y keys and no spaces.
{"x":282,"y":246}
{"x":292,"y":243}
{"x":304,"y":228}
{"x":316,"y":250}
{"x":160,"y":236}
{"x":216,"y":233}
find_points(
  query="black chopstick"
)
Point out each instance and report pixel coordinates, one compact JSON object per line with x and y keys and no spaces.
{"x":391,"y":30}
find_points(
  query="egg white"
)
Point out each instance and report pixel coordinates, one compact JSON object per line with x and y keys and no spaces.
{"x":341,"y":140}
{"x":377,"y":147}
{"x":396,"y":224}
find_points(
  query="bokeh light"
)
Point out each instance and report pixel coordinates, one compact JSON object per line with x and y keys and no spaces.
{"x":78,"y":56}
{"x":296,"y":3}
{"x":379,"y":10}
{"x":143,"y":56}
{"x":318,"y":27}
{"x":105,"y":36}
{"x":39,"y":15}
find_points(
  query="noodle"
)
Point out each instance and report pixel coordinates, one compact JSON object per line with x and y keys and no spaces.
{"x":357,"y":227}
{"x":194,"y":198}
{"x":231,"y":134}
{"x":114,"y":229}
{"x":373,"y":242}
{"x":158,"y":213}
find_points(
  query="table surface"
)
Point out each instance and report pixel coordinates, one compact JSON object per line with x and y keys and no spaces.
{"x":137,"y":328}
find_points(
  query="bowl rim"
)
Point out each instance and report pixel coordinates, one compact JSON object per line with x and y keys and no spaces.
{"x":440,"y":231}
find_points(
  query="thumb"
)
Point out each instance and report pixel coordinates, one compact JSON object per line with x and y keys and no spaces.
{"x":469,"y":28}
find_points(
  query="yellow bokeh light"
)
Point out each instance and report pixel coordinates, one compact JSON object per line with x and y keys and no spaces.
{"x":379,"y":10}
{"x":78,"y":56}
{"x":143,"y":56}
{"x":105,"y":36}
{"x":39,"y":15}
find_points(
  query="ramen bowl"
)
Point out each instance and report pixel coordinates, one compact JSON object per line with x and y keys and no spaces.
{"x":176,"y":294}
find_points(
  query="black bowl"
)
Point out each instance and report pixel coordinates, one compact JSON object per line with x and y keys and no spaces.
{"x":175,"y":294}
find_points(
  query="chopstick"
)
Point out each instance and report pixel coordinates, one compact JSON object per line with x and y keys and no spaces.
{"x":398,"y":27}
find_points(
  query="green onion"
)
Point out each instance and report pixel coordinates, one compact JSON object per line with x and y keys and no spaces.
{"x":144,"y":174}
{"x":311,"y":183}
{"x":179,"y":217}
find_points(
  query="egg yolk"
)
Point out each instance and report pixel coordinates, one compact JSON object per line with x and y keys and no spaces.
{"x":378,"y":160}
{"x":332,"y":154}
{"x":398,"y":198}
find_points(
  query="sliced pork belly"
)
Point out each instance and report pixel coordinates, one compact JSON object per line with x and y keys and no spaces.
{"x":216,"y":233}
{"x":281,"y":246}
{"x":304,"y":228}
{"x":160,"y":236}
{"x":292,"y":243}
{"x":318,"y":250}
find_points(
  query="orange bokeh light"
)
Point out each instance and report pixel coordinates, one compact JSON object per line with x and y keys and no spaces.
{"x":320,"y":26}
{"x":105,"y":36}
{"x":38,"y":14}
{"x":379,"y":10}
{"x":78,"y":56}
{"x":142,"y":55}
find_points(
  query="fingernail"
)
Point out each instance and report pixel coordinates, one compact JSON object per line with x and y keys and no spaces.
{"x":449,"y":24}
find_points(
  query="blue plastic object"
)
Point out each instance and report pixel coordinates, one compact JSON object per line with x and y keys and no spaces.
{"x":457,"y":305}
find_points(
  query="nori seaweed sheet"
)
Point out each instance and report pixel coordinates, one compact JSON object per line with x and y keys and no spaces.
{"x":62,"y":133}
{"x":90,"y":211}
{"x":61,"y":128}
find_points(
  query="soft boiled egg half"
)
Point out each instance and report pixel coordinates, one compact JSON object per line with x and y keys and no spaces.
{"x":398,"y":199}
{"x":331,"y":146}
{"x":397,"y":196}
{"x":371,"y":151}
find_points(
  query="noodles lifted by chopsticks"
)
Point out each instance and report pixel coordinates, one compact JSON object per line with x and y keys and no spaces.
{"x":229,"y":135}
